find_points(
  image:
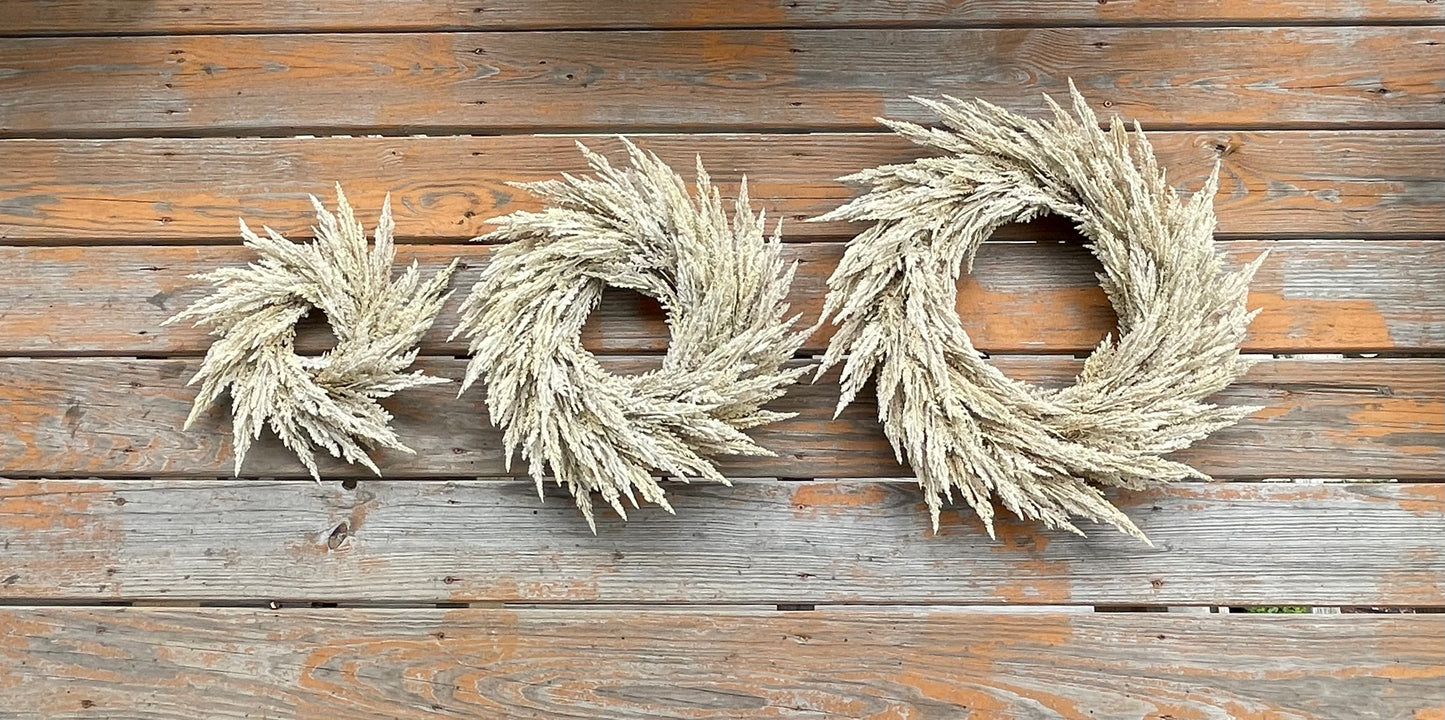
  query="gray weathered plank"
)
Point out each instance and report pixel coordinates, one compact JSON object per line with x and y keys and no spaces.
{"x":761,"y":541}
{"x":717,"y":80}
{"x":1314,"y":296}
{"x":161,"y":664}
{"x":64,"y":17}
{"x":1294,"y":183}
{"x":1322,"y":418}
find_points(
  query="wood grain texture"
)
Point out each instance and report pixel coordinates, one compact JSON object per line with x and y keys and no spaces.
{"x":1322,"y":418}
{"x":160,"y":663}
{"x":67,"y":17}
{"x":761,"y":541}
{"x":709,"y":80}
{"x":1326,"y":120}
{"x":1314,"y":296}
{"x":1293,"y":183}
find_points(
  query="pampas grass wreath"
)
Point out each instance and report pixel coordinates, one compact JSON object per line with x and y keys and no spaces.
{"x":960,"y":422}
{"x":327,"y":402}
{"x":722,"y":285}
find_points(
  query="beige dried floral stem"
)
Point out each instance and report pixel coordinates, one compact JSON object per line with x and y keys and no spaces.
{"x":722,"y":285}
{"x":328,"y":402}
{"x":963,"y":425}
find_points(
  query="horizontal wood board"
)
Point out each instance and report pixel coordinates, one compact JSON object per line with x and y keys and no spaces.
{"x":1313,"y":295}
{"x":79,"y":17}
{"x":1382,"y":418}
{"x":445,"y":83}
{"x":760,"y":541}
{"x":160,"y":663}
{"x":1352,"y":183}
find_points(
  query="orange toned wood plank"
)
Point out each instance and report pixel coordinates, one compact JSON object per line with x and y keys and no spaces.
{"x":1297,"y":183}
{"x":61,"y":17}
{"x":1314,"y":296}
{"x":117,"y":417}
{"x":447,"y":188}
{"x":649,"y":663}
{"x":718,"y":80}
{"x":806,"y":542}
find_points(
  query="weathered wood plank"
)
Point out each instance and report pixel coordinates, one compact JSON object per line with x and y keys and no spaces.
{"x":1322,"y":418}
{"x":1297,"y":183}
{"x":761,"y":541}
{"x":719,"y":80}
{"x":1315,"y":296}
{"x":160,"y":663}
{"x":67,"y":17}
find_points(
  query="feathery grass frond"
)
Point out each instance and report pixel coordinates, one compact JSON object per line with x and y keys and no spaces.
{"x":964,"y":426}
{"x":327,"y":402}
{"x":722,"y":284}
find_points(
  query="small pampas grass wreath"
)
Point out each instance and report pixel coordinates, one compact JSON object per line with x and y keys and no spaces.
{"x":722,"y":285}
{"x":960,"y":422}
{"x":327,"y":402}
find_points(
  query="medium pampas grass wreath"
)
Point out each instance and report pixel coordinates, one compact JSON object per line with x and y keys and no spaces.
{"x":328,"y":402}
{"x":722,"y":285}
{"x":966,"y":428}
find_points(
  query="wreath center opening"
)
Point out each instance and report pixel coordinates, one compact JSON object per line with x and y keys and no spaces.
{"x":314,"y":336}
{"x":1035,"y":289}
{"x":626,"y":321}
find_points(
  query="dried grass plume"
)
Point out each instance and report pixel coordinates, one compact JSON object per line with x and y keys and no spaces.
{"x":722,"y":285}
{"x":327,"y":402}
{"x":965,"y":427}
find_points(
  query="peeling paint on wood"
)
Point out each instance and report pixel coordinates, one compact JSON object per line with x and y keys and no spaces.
{"x":717,"y":80}
{"x":811,"y":542}
{"x":1352,"y":182}
{"x":160,"y":663}
{"x":1357,"y":418}
{"x":1314,"y":296}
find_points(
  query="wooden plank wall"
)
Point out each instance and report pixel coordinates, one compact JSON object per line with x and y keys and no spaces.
{"x":139,"y":579}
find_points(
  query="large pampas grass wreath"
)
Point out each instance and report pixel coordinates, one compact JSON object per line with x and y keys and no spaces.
{"x":328,"y":402}
{"x":965,"y":427}
{"x":722,"y":285}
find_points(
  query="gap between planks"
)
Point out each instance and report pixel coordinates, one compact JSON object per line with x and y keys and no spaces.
{"x":310,"y":132}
